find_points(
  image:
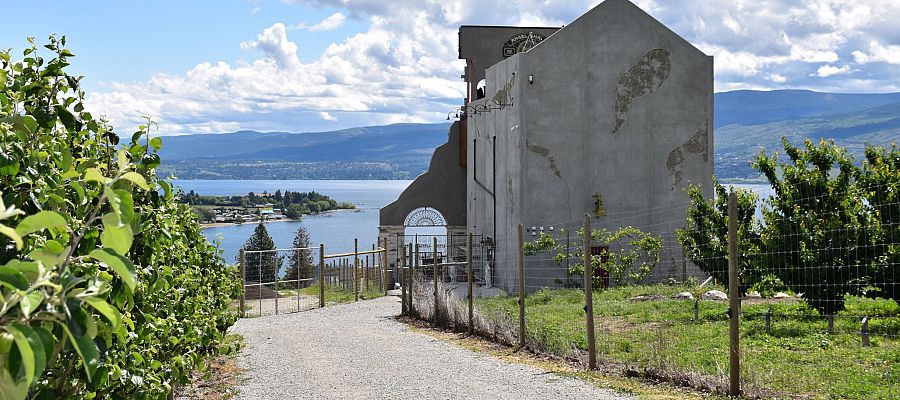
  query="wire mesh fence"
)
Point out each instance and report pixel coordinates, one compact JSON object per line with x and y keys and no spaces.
{"x":791,"y":297}
{"x":283,"y":281}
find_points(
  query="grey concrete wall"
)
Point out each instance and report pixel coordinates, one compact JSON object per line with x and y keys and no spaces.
{"x":442,"y":188}
{"x":482,"y":46}
{"x":501,"y":128}
{"x":619,"y":106}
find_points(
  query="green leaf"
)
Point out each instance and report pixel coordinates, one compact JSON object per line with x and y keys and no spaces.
{"x":37,"y":346}
{"x":167,"y":188}
{"x":94,"y":175}
{"x":120,"y":265}
{"x":39,"y":221}
{"x":30,"y":123}
{"x":10,"y":388}
{"x":47,"y":257}
{"x":54,"y":246}
{"x":12,"y":278}
{"x":79,"y":190}
{"x":122,"y":205}
{"x":31,"y":302}
{"x":126,"y":206}
{"x":66,"y":117}
{"x":8,"y":165}
{"x":87,"y":349}
{"x":156,"y":143}
{"x":25,"y":351}
{"x":111,"y":314}
{"x":47,"y":340}
{"x":66,"y":160}
{"x":11,"y":233}
{"x":121,"y":160}
{"x":136,"y":179}
{"x":117,"y":238}
{"x":29,"y":269}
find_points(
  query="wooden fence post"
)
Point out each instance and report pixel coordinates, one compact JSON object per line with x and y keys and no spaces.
{"x":469,"y":291}
{"x":588,"y":291}
{"x":734,"y":298}
{"x":356,"y":268}
{"x":521,"y":251}
{"x":275,"y":254}
{"x":243,"y":266}
{"x":321,"y":275}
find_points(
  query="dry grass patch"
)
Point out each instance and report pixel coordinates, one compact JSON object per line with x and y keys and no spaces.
{"x":610,"y":377}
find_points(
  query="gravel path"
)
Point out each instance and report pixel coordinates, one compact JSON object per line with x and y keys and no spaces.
{"x":358,"y":351}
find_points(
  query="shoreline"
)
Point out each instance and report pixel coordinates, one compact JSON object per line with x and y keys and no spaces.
{"x":224,"y":224}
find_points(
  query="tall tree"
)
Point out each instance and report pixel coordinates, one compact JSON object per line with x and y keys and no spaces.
{"x":816,"y":223}
{"x":705,"y":235}
{"x":262,"y":266}
{"x":300,"y":261}
{"x":879,"y":182}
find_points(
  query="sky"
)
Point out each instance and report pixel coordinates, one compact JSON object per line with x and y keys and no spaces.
{"x":214,"y":66}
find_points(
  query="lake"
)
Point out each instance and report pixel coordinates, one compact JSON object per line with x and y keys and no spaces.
{"x":335,"y":229}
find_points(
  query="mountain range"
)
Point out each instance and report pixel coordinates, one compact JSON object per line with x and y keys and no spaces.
{"x":745,"y":121}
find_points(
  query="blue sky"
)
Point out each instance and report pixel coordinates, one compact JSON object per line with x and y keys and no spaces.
{"x":120,"y":41}
{"x":308,"y":65}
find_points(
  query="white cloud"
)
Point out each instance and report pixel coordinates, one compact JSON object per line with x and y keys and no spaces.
{"x":877,"y":53}
{"x":777,"y":78}
{"x":830,"y":70}
{"x":274,"y":42}
{"x":333,"y":21}
{"x":404,"y":67}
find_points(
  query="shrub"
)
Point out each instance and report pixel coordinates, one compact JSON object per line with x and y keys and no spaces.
{"x":705,"y":235}
{"x":630,"y":256}
{"x":294,"y":211}
{"x":109,"y":288}
{"x":831,"y":229}
{"x":815,"y":223}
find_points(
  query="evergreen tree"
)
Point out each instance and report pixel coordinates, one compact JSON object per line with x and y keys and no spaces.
{"x":300,"y":261}
{"x":261,"y":267}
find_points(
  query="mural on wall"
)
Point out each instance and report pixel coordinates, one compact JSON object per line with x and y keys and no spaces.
{"x":648,"y":74}
{"x":520,"y":43}
{"x":697,"y":144}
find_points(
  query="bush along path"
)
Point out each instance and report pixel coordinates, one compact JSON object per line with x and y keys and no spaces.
{"x":360,"y":351}
{"x":109,"y":289}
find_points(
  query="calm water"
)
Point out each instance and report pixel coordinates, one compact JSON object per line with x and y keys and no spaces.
{"x":336,"y":230}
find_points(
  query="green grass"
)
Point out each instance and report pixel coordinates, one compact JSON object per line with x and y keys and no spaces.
{"x":337,"y":295}
{"x":797,"y":358}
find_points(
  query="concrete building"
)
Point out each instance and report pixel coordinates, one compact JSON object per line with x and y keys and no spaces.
{"x":614,"y":109}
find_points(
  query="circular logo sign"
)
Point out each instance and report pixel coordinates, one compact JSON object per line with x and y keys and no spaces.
{"x":521,"y":42}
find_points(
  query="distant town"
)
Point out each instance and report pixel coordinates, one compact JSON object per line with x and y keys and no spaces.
{"x":261,"y":207}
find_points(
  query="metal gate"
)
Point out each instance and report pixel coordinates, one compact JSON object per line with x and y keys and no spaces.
{"x":451,"y":252}
{"x":292,"y":280}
